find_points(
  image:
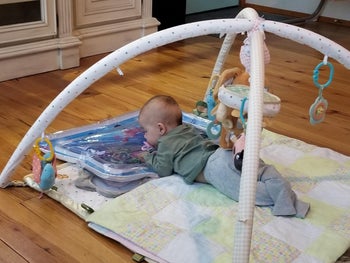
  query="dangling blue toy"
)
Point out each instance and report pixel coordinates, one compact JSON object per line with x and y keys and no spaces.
{"x":214,"y":128}
{"x":44,"y":166}
{"x":318,"y":109}
{"x":211,"y":104}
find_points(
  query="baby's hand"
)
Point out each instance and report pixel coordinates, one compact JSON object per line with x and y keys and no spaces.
{"x":147,"y":147}
{"x":141,"y":155}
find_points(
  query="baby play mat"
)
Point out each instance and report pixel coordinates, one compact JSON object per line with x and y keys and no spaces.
{"x":170,"y":221}
{"x":167,"y":220}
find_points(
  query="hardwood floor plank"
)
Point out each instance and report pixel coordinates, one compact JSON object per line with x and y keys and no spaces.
{"x":7,"y":255}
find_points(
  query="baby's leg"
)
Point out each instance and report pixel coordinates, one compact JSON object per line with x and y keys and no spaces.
{"x":285,"y":202}
{"x":271,"y":190}
{"x":221,"y":173}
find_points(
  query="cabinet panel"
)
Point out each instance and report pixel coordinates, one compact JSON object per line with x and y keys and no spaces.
{"x":25,"y":32}
{"x":97,"y":12}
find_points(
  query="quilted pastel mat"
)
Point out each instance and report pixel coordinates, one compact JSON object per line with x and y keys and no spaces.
{"x":169,"y":221}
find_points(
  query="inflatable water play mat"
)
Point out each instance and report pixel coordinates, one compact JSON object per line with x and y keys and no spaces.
{"x":111,"y":149}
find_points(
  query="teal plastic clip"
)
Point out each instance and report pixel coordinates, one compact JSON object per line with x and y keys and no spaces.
{"x":241,"y":113}
{"x":214,"y":130}
{"x":316,"y":75}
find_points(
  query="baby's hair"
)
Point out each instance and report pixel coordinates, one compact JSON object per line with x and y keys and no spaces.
{"x":168,"y":110}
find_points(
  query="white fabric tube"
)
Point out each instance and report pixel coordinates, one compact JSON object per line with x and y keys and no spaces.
{"x":224,"y":51}
{"x":311,"y":39}
{"x":244,"y":223}
{"x":220,"y":61}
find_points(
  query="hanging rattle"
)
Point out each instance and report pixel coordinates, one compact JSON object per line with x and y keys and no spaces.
{"x":318,"y":109}
{"x":44,"y":165}
{"x":241,"y":116}
{"x":214,"y":130}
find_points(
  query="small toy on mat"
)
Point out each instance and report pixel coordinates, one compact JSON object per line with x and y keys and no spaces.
{"x":44,"y":166}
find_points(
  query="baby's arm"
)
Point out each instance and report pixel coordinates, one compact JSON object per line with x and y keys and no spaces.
{"x":146,"y":149}
{"x":161,"y":161}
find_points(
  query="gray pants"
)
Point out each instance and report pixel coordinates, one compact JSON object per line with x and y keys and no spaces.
{"x":272,"y":189}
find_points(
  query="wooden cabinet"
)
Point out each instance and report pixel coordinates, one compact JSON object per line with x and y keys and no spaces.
{"x":69,"y":30}
{"x":90,"y":13}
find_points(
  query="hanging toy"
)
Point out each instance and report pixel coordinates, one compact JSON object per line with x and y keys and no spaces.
{"x":214,"y":130}
{"x":204,"y":108}
{"x":241,"y":116}
{"x":201,"y":109}
{"x":210,"y":105}
{"x":44,"y":166}
{"x":318,"y":109}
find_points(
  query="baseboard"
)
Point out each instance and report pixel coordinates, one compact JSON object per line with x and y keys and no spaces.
{"x":294,"y":14}
{"x":38,"y":57}
{"x":335,"y":21}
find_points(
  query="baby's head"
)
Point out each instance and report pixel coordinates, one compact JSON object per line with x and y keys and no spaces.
{"x":158,"y":116}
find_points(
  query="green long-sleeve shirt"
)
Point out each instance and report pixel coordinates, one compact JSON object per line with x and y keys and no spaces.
{"x":182,"y":151}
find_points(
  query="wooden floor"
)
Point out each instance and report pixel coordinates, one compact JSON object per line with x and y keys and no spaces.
{"x":41,"y":230}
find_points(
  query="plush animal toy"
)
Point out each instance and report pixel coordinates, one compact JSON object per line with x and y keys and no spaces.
{"x":228,"y":117}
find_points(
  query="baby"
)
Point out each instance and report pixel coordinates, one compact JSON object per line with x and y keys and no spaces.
{"x":180,"y":149}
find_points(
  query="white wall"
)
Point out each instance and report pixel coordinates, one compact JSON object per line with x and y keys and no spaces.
{"x":339,"y":9}
{"x":196,"y":6}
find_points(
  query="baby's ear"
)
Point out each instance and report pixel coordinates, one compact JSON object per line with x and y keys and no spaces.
{"x":162,"y":128}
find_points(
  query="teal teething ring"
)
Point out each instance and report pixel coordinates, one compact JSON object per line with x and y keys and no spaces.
{"x":214,"y":130}
{"x":316,"y":74}
{"x":318,"y":109}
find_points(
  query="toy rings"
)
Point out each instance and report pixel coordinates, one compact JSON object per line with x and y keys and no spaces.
{"x":316,"y":74}
{"x":40,"y":153}
{"x":214,"y":130}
